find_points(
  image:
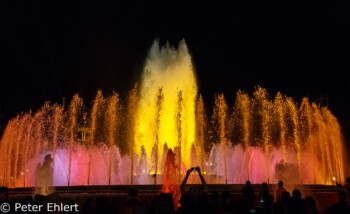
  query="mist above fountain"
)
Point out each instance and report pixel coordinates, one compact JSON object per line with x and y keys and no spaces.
{"x":124,"y":140}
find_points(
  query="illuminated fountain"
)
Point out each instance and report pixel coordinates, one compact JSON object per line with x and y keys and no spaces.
{"x":118,"y":140}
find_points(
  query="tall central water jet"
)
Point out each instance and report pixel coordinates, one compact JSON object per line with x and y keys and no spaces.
{"x":170,"y":71}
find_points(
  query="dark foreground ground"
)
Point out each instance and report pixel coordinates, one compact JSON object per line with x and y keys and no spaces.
{"x":324,"y":195}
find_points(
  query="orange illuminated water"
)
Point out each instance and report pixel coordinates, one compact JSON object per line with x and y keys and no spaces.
{"x":127,"y":139}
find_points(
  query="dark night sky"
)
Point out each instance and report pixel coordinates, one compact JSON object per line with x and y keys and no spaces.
{"x":53,"y":49}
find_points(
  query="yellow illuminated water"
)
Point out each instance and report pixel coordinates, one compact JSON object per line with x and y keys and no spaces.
{"x":170,"y":70}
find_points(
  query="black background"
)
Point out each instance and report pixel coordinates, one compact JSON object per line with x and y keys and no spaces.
{"x":50,"y":50}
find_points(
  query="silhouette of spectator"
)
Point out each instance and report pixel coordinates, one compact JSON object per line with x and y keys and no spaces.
{"x":265,"y":193}
{"x":195,"y":200}
{"x":267,"y":204}
{"x":163,"y":204}
{"x":4,"y":194}
{"x":227,"y":202}
{"x":296,"y":194}
{"x":280,"y":190}
{"x":28,"y":200}
{"x":297,"y":205}
{"x":347,"y":188}
{"x":266,"y":200}
{"x":248,"y":193}
{"x":215,"y":200}
{"x":39,"y":199}
{"x":88,"y":207}
{"x":280,"y":207}
{"x":312,"y":204}
{"x":285,"y":197}
{"x":339,"y":208}
{"x":102,"y":205}
{"x":244,"y":206}
{"x":204,"y":184}
{"x":130,"y":205}
{"x":185,"y":203}
{"x":44,"y":172}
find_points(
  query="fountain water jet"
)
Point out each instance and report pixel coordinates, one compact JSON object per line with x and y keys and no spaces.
{"x":220,"y":115}
{"x":112,"y":119}
{"x":242,"y":112}
{"x":75,"y":104}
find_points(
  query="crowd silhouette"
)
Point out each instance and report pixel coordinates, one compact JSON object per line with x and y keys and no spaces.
{"x":196,"y":199}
